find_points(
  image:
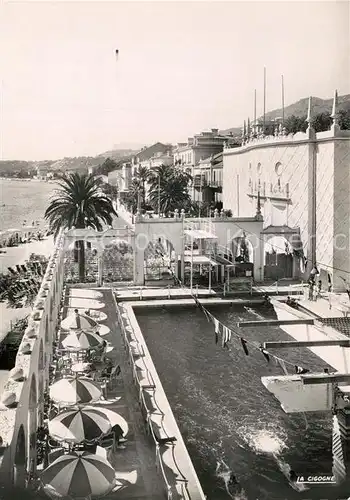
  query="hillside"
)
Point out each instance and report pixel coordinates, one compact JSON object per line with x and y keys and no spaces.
{"x":299,"y":108}
{"x":14,"y":168}
{"x":117,"y":154}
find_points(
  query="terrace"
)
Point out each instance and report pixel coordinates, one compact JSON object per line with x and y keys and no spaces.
{"x":134,"y":464}
{"x":145,"y":465}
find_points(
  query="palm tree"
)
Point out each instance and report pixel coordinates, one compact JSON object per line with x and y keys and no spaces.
{"x":79,"y":203}
{"x":132,"y":196}
{"x":141,"y":177}
{"x":137,"y":190}
{"x":169,"y":188}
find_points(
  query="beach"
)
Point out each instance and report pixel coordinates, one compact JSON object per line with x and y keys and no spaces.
{"x":18,"y":255}
{"x":13,"y":256}
{"x":22,"y":201}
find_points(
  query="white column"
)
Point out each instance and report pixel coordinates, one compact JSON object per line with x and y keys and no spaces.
{"x":100,"y":268}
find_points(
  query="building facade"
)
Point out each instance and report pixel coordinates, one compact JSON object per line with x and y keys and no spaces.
{"x":121,"y":177}
{"x":207,"y":179}
{"x":143,"y":157}
{"x":196,"y":155}
{"x":302,"y":185}
{"x":199,"y":147}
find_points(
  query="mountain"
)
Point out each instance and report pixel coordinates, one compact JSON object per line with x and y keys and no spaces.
{"x":117,"y":154}
{"x":14,"y":168}
{"x":300,"y":108}
{"x":78,"y":164}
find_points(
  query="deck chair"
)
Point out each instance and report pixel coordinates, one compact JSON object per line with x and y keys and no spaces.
{"x":101,"y":452}
{"x":113,"y":374}
{"x":108,"y":442}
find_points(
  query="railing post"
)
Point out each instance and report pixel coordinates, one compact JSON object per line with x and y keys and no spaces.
{"x":197,"y":290}
{"x":148,"y":422}
{"x":169,"y":296}
{"x":157,"y":457}
{"x":277,"y":287}
{"x":140,"y":293}
{"x":224,"y":289}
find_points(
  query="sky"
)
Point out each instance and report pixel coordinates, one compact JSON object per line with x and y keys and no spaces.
{"x":183,"y":67}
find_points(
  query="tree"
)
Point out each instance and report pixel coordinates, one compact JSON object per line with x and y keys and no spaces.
{"x":131,"y":197}
{"x":137,"y":190}
{"x":169,"y":188}
{"x":107,"y":166}
{"x":79,"y":203}
{"x":344,"y":119}
{"x":141,"y":177}
{"x":109,"y":190}
{"x":294,"y":124}
{"x":322,"y":122}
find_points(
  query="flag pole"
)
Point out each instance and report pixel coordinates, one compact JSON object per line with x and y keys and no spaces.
{"x":254,"y":109}
{"x":282,"y":100}
{"x":264,"y":99}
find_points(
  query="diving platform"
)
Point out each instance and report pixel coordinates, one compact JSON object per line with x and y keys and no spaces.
{"x":306,"y":343}
{"x":275,"y":322}
{"x":312,"y":391}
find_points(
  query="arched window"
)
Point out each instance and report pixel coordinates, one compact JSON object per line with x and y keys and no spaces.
{"x":259,"y":168}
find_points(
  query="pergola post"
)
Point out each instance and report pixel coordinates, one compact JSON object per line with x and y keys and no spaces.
{"x":100,"y":268}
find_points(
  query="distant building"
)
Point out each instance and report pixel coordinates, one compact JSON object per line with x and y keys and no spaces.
{"x":159,"y":159}
{"x":43,"y":172}
{"x":121,"y":177}
{"x":195,"y":157}
{"x":207,"y":179}
{"x":143,"y":157}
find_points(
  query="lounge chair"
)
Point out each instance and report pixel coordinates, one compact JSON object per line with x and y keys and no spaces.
{"x":101,"y":452}
{"x":113,"y":374}
{"x":108,"y":443}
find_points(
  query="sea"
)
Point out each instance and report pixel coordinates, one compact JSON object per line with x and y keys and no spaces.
{"x":230,"y":423}
{"x":23,"y":201}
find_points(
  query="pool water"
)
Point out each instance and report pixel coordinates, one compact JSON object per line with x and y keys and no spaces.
{"x":230,"y":423}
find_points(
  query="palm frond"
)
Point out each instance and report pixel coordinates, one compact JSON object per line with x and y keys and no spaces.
{"x":79,"y":203}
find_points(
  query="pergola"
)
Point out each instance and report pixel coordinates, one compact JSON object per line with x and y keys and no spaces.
{"x":203,"y":232}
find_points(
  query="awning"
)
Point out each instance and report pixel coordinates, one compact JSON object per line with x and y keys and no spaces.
{"x":200,"y":259}
{"x":198,"y":234}
{"x":292,"y":235}
{"x":224,"y":262}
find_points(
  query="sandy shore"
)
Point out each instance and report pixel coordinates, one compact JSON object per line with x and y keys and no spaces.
{"x":13,"y":256}
{"x":18,"y":255}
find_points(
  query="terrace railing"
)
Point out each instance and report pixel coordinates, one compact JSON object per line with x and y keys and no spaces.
{"x":171,"y":491}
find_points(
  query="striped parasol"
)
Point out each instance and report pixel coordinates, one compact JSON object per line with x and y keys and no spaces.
{"x":104,"y":330}
{"x":113,"y":416}
{"x":79,"y":424}
{"x":80,"y":475}
{"x":78,"y":321}
{"x":82,"y":340}
{"x":74,"y":390}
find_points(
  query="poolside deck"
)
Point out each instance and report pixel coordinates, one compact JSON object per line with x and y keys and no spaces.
{"x":135,"y":465}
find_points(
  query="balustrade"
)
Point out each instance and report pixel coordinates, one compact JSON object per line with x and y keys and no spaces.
{"x":277,"y":190}
{"x":171,"y":491}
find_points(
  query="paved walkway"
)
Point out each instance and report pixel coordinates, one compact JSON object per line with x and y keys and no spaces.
{"x":328,"y":306}
{"x":159,"y":293}
{"x":135,"y":465}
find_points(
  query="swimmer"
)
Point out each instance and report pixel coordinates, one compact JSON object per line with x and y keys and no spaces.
{"x":292,"y":476}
